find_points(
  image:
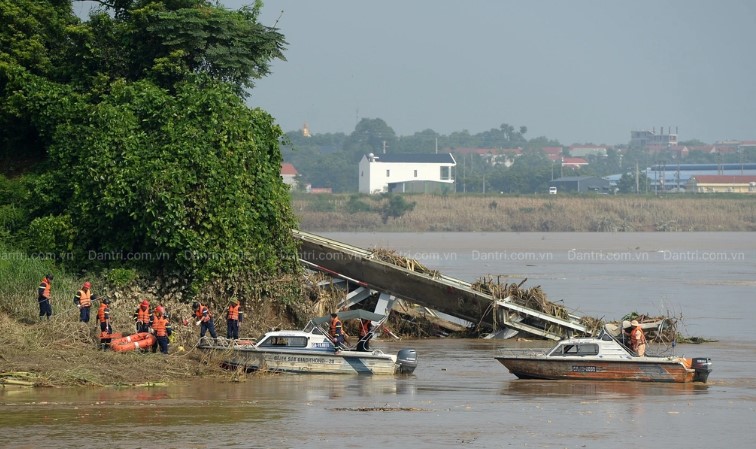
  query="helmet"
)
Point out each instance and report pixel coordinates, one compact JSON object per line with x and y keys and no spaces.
{"x":234,"y":301}
{"x":106,"y":301}
{"x":195,"y":305}
{"x":87,"y":284}
{"x":49,"y":277}
{"x":145,"y":303}
{"x":160,"y":310}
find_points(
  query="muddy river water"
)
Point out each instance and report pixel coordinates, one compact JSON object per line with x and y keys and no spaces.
{"x":459,"y":396}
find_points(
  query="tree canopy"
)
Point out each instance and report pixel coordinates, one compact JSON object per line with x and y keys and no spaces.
{"x":143,"y":151}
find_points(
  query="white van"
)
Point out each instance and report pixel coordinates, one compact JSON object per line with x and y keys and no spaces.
{"x":552,"y":190}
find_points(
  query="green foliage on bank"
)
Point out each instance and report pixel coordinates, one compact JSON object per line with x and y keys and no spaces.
{"x":137,"y":148}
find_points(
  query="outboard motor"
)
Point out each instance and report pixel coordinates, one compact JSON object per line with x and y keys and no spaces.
{"x":702,"y":365}
{"x":407,"y":361}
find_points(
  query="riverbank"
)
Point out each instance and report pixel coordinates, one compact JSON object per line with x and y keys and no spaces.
{"x":547,"y":213}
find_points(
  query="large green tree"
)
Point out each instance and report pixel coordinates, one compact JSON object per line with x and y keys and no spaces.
{"x":149,"y":152}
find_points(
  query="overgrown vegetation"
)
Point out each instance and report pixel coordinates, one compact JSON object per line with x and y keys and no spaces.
{"x":129,"y":144}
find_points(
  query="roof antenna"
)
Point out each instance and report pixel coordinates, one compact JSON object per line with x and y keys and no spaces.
{"x":279,"y":18}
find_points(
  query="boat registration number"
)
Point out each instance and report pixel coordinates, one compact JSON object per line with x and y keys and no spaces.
{"x":584,"y":369}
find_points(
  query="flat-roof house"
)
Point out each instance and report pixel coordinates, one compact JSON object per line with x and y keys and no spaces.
{"x":408,"y":172}
{"x":721,"y":184}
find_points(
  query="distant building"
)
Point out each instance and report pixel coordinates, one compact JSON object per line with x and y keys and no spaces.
{"x":573,"y":162}
{"x":553,"y":153}
{"x":581,"y":184}
{"x":289,"y":174}
{"x":721,"y":184}
{"x":650,"y":139}
{"x":410,"y":172}
{"x":492,"y":156}
{"x":587,"y":150}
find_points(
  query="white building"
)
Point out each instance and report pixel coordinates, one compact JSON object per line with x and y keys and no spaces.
{"x":409,"y":172}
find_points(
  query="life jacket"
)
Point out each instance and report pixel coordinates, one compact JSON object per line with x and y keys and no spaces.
{"x":84,"y":298}
{"x":44,"y":289}
{"x":203,"y":313}
{"x":233,"y":312}
{"x":335,"y":329}
{"x":365,"y":328}
{"x":103,"y":313}
{"x":637,"y":337}
{"x":143,"y":315}
{"x":160,"y":326}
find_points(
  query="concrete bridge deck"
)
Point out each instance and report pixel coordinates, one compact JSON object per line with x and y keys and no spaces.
{"x":445,"y":294}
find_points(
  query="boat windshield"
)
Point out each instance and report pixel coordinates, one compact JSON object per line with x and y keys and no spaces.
{"x":283,"y":342}
{"x":579,"y":349}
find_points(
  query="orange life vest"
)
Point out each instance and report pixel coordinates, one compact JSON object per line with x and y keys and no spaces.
{"x":85,"y":298}
{"x":143,"y":315}
{"x":364,"y":328}
{"x":637,"y":337}
{"x":45,"y":287}
{"x":160,"y":326}
{"x":103,"y":313}
{"x":335,"y":330}
{"x":233,"y":312}
{"x":203,"y":313}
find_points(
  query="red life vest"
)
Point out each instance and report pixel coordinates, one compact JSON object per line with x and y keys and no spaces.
{"x":233,"y":312}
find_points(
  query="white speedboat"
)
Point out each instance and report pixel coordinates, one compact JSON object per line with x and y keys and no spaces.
{"x":308,"y":351}
{"x":602,"y":358}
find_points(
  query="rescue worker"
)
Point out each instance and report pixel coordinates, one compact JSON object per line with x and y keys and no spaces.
{"x":204,"y":319}
{"x":161,"y":327}
{"x":43,"y":297}
{"x":143,"y":317}
{"x":366,"y":333}
{"x":83,"y":300}
{"x":103,"y":317}
{"x":233,"y":318}
{"x":638,"y":339}
{"x":336,"y":331}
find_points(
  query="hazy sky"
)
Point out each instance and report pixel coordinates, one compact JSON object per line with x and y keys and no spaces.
{"x":578,"y":71}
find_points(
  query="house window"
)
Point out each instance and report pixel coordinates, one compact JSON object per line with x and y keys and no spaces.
{"x":388,"y":173}
{"x":415,"y":173}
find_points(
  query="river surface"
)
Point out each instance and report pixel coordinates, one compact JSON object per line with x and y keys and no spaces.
{"x":459,"y":396}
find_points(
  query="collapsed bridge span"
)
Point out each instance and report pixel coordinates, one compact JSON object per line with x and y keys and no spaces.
{"x":441,"y":293}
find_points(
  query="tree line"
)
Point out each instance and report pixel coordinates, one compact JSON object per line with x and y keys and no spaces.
{"x":331,"y":159}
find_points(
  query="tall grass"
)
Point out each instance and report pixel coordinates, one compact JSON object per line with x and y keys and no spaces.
{"x":594,"y":213}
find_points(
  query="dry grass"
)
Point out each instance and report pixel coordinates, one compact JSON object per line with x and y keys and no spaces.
{"x":542,"y":214}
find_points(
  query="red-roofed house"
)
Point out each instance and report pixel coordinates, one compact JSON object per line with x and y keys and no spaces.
{"x":289,"y":174}
{"x":721,"y":184}
{"x":553,"y":153}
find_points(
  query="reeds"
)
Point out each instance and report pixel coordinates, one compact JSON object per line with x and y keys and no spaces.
{"x":585,"y":213}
